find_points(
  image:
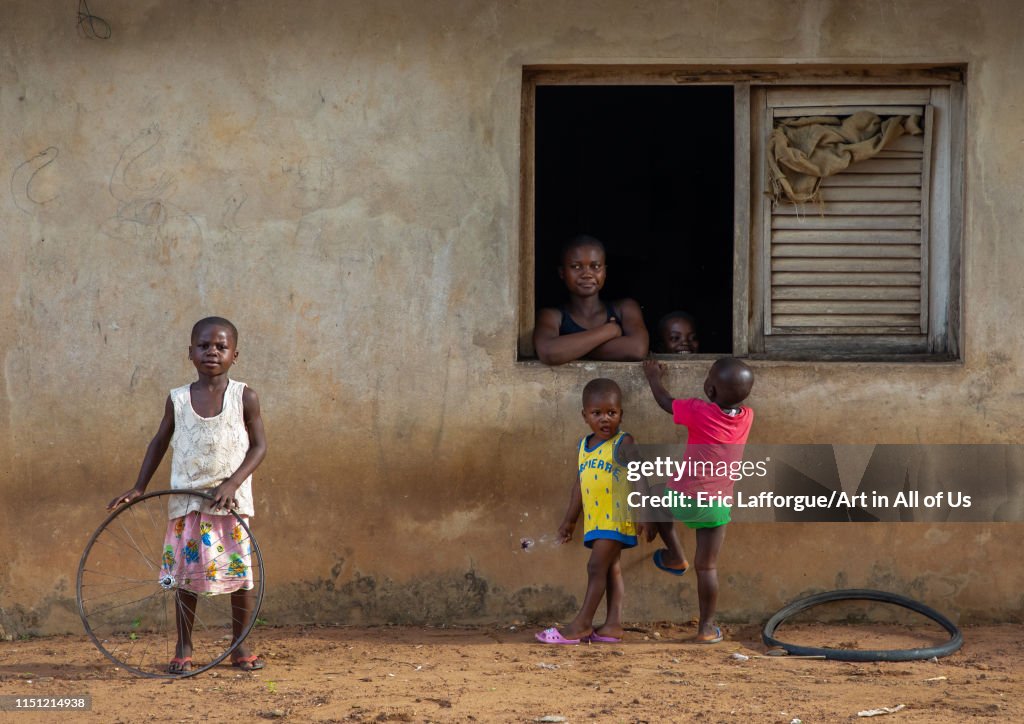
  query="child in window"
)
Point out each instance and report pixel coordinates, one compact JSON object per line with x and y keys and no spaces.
{"x":718,"y":430}
{"x":586,"y":326}
{"x":677,"y":332}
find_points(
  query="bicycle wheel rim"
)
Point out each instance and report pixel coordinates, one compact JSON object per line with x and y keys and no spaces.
{"x":129,"y":608}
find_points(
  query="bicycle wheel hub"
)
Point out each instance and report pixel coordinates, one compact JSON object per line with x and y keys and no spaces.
{"x":167,"y":582}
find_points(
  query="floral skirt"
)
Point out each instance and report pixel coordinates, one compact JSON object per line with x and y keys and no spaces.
{"x":208,"y":554}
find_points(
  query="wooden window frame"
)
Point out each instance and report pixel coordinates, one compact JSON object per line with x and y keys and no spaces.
{"x":750,"y":268}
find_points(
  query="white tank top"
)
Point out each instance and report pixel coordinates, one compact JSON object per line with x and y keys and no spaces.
{"x":207,"y":450}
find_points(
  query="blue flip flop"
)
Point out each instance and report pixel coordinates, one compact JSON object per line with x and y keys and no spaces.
{"x":660,"y":564}
{"x":716,"y":640}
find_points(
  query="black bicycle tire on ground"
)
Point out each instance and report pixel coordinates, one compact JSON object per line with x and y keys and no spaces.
{"x":863,"y":594}
{"x":256,"y":556}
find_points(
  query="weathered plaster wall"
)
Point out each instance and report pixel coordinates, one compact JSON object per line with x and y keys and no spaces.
{"x":341,"y":179}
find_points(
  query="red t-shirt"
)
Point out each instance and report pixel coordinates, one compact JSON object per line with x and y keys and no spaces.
{"x":714,"y":446}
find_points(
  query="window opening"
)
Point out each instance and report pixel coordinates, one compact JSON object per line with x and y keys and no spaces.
{"x":648,"y":170}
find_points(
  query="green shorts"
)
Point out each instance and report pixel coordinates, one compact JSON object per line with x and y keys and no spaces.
{"x":692,"y":515}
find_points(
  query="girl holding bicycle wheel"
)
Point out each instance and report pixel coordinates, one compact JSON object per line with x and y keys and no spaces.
{"x":216,"y":432}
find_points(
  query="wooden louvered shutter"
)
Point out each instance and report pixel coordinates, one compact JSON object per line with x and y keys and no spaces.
{"x":857,"y":262}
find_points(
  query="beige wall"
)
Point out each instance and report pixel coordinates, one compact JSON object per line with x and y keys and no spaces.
{"x":341,"y":179}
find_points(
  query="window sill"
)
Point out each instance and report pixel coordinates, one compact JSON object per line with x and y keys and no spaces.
{"x":761,"y":360}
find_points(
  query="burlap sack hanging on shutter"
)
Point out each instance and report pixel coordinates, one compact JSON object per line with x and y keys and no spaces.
{"x":803,"y":151}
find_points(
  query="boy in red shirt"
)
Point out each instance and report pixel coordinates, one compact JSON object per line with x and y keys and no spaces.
{"x":717,"y":432}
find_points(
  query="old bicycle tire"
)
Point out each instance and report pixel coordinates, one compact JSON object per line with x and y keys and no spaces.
{"x":863,"y":594}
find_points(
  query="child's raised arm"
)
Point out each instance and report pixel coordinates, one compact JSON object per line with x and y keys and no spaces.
{"x":555,"y":349}
{"x":224,"y":494}
{"x":154,"y":454}
{"x":654,"y":371}
{"x":572,"y":514}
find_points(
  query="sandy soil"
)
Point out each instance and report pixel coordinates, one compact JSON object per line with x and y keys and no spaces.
{"x":498,"y":673}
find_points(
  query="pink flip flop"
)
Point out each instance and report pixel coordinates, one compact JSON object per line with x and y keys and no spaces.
{"x":553,"y":636}
{"x":596,"y":638}
{"x":180,"y":665}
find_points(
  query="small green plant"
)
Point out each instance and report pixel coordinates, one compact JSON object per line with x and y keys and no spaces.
{"x":272,"y":687}
{"x":261,"y":621}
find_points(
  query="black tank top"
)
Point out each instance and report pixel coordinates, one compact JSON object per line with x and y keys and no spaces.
{"x":569,"y":326}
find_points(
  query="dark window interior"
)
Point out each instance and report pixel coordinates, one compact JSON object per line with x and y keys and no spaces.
{"x":648,"y":170}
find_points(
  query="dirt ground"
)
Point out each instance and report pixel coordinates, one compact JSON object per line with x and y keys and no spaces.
{"x":498,"y":673}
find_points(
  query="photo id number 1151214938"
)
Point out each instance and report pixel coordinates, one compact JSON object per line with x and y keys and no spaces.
{"x":33,"y":702}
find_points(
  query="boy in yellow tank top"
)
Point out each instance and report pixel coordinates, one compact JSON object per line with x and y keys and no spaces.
{"x":599,"y":495}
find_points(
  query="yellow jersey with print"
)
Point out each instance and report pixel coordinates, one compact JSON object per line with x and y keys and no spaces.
{"x":604,"y":490}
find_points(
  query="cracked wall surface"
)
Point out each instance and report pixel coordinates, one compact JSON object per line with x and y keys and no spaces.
{"x":341,"y":180}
